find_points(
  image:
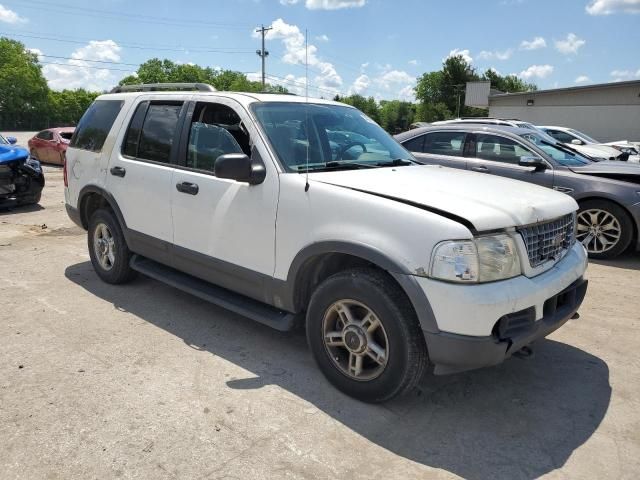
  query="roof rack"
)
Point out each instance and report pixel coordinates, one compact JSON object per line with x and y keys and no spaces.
{"x":153,"y":87}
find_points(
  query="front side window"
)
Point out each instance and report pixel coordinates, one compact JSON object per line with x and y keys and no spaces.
{"x":415,"y":144}
{"x":583,"y":136}
{"x":561,"y":136}
{"x":158,"y":132}
{"x":326,"y":136}
{"x":95,"y":124}
{"x":444,"y":143}
{"x":563,"y":155}
{"x":215,"y":130}
{"x":500,"y":149}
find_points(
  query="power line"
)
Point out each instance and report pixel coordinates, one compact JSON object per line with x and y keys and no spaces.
{"x":298,"y":83}
{"x":131,"y":45}
{"x":86,"y":66}
{"x":88,"y":60}
{"x":92,"y":12}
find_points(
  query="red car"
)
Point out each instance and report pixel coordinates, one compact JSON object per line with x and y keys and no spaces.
{"x":49,"y":146}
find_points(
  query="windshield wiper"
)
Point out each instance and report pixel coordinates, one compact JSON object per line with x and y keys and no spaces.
{"x":397,"y":162}
{"x":335,"y":165}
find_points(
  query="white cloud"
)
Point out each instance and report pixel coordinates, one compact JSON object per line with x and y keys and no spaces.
{"x":535,"y":44}
{"x":583,"y":79}
{"x":360,"y":84}
{"x":9,"y":16}
{"x":37,"y":51}
{"x":504,"y":55}
{"x":608,"y":7}
{"x":413,"y":62}
{"x":570,"y":45}
{"x":536,"y":71}
{"x":288,"y":2}
{"x":333,"y":4}
{"x":294,"y":42}
{"x":322,"y":38}
{"x":466,"y":54}
{"x":78,"y":73}
{"x":620,"y":75}
{"x":395,"y":84}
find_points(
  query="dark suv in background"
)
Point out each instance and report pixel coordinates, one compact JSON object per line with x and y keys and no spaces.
{"x":608,"y":192}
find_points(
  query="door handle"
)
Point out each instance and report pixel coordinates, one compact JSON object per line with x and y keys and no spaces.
{"x":481,"y":169}
{"x":187,"y":187}
{"x":118,"y":171}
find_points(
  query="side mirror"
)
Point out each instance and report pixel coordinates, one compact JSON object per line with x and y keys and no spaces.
{"x":239,"y":167}
{"x":12,"y":140}
{"x":537,"y":163}
{"x":575,"y":141}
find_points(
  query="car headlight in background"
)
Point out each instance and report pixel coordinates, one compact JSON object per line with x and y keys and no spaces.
{"x":483,"y":259}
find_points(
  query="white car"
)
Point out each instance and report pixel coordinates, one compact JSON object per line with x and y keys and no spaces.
{"x":393,"y":266}
{"x":583,"y":143}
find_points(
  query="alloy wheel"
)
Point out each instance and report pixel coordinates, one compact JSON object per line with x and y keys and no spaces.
{"x":104,"y":246}
{"x":598,"y":230}
{"x":355,"y":340}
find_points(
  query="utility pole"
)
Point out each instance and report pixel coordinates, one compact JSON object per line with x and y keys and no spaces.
{"x":262,"y":53}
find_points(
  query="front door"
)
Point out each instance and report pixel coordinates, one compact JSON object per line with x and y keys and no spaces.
{"x":498,"y":155}
{"x":224,"y":231}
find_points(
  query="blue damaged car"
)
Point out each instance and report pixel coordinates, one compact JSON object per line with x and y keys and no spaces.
{"x":21,"y":177}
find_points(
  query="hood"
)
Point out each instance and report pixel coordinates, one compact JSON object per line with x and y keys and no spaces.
{"x":486,"y":202}
{"x":601,"y":151}
{"x":625,"y":171}
{"x":11,"y":153}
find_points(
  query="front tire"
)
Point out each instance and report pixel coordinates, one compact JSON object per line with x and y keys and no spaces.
{"x":365,"y":336}
{"x":108,"y":249}
{"x":604,"y":228}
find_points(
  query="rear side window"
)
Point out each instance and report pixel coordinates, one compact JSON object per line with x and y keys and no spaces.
{"x":158,"y":132}
{"x":415,"y":144}
{"x":95,"y":124}
{"x":444,"y":143}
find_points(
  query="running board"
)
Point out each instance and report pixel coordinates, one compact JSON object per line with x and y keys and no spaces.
{"x":245,"y":306}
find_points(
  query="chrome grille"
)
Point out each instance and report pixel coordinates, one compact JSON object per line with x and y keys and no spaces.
{"x":549,"y":240}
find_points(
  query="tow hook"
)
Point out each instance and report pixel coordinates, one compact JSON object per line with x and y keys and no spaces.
{"x":575,"y":316}
{"x":524,"y":352}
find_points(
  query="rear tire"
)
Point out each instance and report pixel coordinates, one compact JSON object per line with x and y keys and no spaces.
{"x":365,"y":336}
{"x":110,"y":255}
{"x":604,"y":228}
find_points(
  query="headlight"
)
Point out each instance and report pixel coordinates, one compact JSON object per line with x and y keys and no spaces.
{"x":33,"y":163}
{"x":484,"y":259}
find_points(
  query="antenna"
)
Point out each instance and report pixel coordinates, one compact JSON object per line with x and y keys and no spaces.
{"x":306,"y":106}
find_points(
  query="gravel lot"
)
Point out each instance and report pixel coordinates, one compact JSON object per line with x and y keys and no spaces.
{"x":143,"y":381}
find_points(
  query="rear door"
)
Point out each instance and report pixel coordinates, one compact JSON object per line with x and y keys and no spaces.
{"x":498,"y":155}
{"x":140,"y":174}
{"x":439,"y":148}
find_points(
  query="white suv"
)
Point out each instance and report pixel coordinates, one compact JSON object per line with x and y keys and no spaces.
{"x":285,"y":210}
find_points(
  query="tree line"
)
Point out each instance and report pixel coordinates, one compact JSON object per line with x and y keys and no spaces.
{"x":27,"y":103}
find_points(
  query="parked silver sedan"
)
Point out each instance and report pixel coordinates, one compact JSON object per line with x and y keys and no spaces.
{"x":608,"y":192}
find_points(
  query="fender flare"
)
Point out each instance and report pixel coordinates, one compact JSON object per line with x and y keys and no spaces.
{"x":95,"y":189}
{"x":400,"y":273}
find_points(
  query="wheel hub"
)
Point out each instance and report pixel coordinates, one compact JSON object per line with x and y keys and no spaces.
{"x":354,"y":339}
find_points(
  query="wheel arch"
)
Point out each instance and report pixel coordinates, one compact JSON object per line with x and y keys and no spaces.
{"x":318,"y":261}
{"x":91,"y":198}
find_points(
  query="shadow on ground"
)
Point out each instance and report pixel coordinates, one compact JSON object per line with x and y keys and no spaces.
{"x":518,"y":420}
{"x":626,"y":261}
{"x":10,"y":207}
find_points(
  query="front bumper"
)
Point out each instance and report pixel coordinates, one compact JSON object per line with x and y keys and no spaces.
{"x":481,"y":325}
{"x":451,"y":353}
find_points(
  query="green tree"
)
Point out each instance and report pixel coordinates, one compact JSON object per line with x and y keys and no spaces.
{"x":508,"y":83}
{"x":369,"y":106}
{"x":396,"y":115}
{"x":167,"y":71}
{"x":67,"y":106}
{"x":23,"y":88}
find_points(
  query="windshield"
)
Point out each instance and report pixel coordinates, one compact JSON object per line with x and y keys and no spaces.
{"x":583,"y":136}
{"x":330,"y":136}
{"x":563,"y":155}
